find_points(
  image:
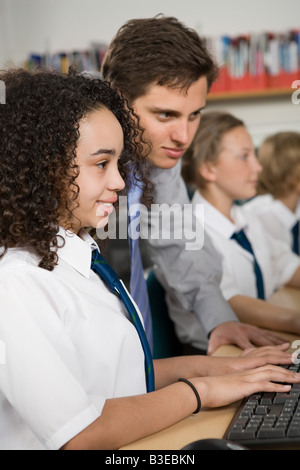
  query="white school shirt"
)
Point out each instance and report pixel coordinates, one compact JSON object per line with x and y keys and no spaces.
{"x":275,"y":217}
{"x":277,"y":262}
{"x":68,"y":347}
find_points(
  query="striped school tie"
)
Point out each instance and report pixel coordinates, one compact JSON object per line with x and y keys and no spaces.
{"x":295,"y":235}
{"x":138,"y":286}
{"x":241,"y":238}
{"x":105,"y":271}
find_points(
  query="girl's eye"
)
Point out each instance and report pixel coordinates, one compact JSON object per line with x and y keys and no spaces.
{"x":102,"y":165}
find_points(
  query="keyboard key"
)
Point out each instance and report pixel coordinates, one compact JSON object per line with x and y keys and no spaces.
{"x":293,"y":431}
{"x":242,"y":421}
{"x":256,"y":396}
{"x":241,"y":435}
{"x":272,"y":433}
{"x":267,"y":399}
{"x":280,"y":398}
{"x":261,"y":410}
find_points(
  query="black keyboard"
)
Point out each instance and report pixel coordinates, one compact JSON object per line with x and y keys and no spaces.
{"x":268,"y":419}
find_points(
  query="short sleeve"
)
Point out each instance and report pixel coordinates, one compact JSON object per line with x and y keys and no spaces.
{"x":40,"y":377}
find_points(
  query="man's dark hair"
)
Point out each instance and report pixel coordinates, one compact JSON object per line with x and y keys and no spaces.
{"x":160,"y":51}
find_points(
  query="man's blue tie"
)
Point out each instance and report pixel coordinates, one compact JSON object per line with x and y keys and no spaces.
{"x":105,"y":271}
{"x":241,"y":238}
{"x":138,"y":286}
{"x":295,"y":234}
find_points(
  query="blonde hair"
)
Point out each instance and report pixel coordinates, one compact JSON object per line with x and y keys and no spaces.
{"x":206,"y":145}
{"x":279,"y":156}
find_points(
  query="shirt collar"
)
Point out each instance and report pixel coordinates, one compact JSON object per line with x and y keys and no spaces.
{"x":287,"y":217}
{"x":77,"y":250}
{"x":214,"y":219}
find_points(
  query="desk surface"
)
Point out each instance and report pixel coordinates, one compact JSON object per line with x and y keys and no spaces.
{"x":211,"y":423}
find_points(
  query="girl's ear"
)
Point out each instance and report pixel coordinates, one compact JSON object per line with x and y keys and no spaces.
{"x":208,"y":171}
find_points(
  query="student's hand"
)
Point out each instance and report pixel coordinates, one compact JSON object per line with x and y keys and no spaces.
{"x":249,"y":359}
{"x":256,"y":357}
{"x":222,"y":390}
{"x":262,"y":351}
{"x":242,"y":335}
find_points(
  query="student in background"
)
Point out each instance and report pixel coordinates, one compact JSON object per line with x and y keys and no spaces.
{"x":278,"y":202}
{"x":165,"y":72}
{"x":77,"y":364}
{"x":225,"y":169}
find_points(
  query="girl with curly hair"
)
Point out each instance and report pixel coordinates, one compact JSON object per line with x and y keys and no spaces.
{"x":73,"y":375}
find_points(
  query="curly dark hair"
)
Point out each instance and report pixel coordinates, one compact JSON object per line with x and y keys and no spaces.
{"x":39,"y":130}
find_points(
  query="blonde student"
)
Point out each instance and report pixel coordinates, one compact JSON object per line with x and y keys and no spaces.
{"x":278,"y":202}
{"x":225,"y":169}
{"x":77,"y":372}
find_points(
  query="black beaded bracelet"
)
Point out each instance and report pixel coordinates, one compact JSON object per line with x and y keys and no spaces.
{"x":195,"y":392}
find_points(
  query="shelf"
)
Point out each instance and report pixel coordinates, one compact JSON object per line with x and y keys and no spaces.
{"x":242,"y":95}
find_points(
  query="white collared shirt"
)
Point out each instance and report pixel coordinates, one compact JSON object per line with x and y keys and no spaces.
{"x":68,"y":347}
{"x":275,"y":216}
{"x":276,"y":260}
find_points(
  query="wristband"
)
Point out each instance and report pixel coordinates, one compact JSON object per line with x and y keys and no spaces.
{"x":195,"y":392}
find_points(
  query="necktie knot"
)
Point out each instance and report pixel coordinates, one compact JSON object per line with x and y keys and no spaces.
{"x":242,"y":239}
{"x":105,"y":271}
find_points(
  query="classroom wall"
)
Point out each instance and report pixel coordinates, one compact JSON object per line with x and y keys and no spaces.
{"x":36,"y":25}
{"x":53,"y":25}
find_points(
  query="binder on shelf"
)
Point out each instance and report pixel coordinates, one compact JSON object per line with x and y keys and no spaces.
{"x":256,"y":61}
{"x":89,"y":59}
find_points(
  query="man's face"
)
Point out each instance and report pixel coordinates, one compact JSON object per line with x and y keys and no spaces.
{"x":170,"y":117}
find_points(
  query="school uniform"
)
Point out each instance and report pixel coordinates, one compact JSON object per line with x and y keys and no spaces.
{"x":277,"y":262}
{"x":275,"y":217}
{"x":69,"y":346}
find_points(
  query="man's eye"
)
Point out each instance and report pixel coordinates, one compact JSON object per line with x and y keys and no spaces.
{"x":195,"y":115}
{"x":164,"y":115}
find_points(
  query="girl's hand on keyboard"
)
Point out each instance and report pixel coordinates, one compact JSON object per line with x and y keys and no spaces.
{"x":256,"y":357}
{"x":262,"y":350}
{"x":222,"y":390}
